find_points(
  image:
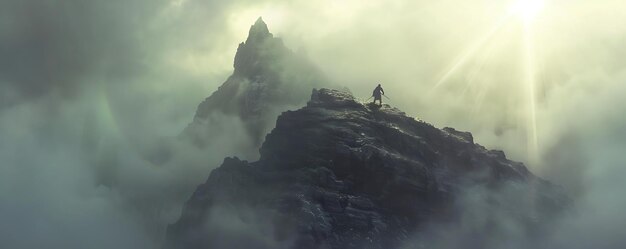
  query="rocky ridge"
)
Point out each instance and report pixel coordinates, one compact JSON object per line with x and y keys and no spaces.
{"x":342,"y":174}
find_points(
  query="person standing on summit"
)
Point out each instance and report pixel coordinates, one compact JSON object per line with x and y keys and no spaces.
{"x":378,"y":94}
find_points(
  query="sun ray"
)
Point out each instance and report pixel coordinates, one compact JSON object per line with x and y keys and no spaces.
{"x":530,"y":81}
{"x":471,"y":78}
{"x":471,"y":51}
{"x":479,"y":100}
{"x":526,"y":11}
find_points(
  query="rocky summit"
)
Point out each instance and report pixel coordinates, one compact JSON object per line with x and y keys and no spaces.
{"x":338,"y":173}
{"x":268,"y":79}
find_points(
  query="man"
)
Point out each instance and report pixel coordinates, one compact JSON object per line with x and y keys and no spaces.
{"x":378,"y":94}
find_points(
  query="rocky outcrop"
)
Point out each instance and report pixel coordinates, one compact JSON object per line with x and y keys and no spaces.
{"x":341,"y":174}
{"x":268,"y":79}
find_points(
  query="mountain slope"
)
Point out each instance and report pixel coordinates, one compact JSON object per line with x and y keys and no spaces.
{"x":268,"y":79}
{"x":341,"y":174}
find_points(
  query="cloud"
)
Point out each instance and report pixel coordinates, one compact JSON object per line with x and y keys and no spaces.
{"x":88,"y":88}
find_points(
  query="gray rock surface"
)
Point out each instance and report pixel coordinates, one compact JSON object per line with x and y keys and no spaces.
{"x":343,"y":174}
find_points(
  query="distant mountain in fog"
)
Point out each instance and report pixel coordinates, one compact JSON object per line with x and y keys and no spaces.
{"x":268,"y":79}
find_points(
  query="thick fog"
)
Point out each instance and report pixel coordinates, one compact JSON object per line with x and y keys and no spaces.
{"x":92,"y":93}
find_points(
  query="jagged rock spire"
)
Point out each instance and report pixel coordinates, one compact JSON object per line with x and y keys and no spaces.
{"x":261,"y":45}
{"x":268,"y":78}
{"x":258,"y":32}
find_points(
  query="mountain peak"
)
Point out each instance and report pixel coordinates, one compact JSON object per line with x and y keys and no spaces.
{"x":258,"y":32}
{"x":259,"y":21}
{"x":268,"y":78}
{"x":257,"y":50}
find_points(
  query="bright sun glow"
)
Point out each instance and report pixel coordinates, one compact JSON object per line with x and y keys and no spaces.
{"x":527,"y":9}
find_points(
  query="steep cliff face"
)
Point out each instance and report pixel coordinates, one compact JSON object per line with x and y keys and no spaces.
{"x":268,"y":79}
{"x":341,"y":174}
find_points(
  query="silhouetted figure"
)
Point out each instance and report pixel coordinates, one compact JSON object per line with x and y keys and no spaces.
{"x":378,"y":94}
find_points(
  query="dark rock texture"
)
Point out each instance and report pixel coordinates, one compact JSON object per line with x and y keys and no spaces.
{"x":341,"y":174}
{"x":268,"y":79}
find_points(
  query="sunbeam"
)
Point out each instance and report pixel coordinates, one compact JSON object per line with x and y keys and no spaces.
{"x":471,"y":78}
{"x":530,"y":81}
{"x":471,"y":51}
{"x":526,"y":11}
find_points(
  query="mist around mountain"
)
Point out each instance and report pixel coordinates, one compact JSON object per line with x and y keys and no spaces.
{"x":91,"y":92}
{"x":343,"y":174}
{"x":268,"y":79}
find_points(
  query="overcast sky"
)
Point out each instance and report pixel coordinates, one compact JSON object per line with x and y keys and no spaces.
{"x":87,"y":87}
